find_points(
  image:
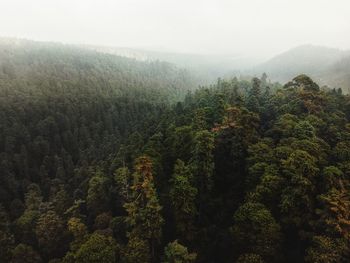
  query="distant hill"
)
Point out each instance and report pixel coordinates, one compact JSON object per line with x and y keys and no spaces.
{"x":338,"y":74}
{"x":30,"y":65}
{"x":328,"y":66}
{"x":207,"y":68}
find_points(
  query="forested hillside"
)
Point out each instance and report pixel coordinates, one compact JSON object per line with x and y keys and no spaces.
{"x":206,"y":68}
{"x":327,"y":66}
{"x":107,"y":159}
{"x":58,"y":69}
{"x":339,"y":74}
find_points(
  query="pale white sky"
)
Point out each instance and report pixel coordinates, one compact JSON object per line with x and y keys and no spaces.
{"x":256,"y":27}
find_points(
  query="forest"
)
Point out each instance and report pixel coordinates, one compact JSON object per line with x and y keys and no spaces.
{"x":110,"y":159}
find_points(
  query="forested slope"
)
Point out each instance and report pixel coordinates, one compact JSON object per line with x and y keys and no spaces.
{"x":63,"y":108}
{"x":327,"y":66}
{"x":55,"y":68}
{"x":102,"y":167}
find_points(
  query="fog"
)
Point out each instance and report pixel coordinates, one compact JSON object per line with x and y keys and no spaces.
{"x":259,"y":28}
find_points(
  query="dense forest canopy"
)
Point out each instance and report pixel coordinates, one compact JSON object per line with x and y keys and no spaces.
{"x":109,"y":159}
{"x":38,"y":68}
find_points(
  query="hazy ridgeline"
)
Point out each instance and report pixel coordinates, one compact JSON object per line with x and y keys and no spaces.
{"x":106,"y":158}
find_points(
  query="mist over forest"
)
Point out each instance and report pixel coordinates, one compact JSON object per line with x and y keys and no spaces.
{"x":328,"y":66}
{"x":180,"y":131}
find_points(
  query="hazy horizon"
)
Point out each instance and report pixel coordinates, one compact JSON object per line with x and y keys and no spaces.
{"x":251,"y":28}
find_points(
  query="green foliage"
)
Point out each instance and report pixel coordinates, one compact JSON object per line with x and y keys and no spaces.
{"x":325,"y":249}
{"x":253,"y":101}
{"x":137,"y":250}
{"x":6,"y":246}
{"x":74,"y":123}
{"x":182,"y":197}
{"x":256,"y":231}
{"x":79,"y":231}
{"x":332,"y":177}
{"x":122,"y":180}
{"x":250,"y":258}
{"x":23,"y":253}
{"x":304,"y":82}
{"x":144,"y":209}
{"x":183,"y":142}
{"x":98,"y":198}
{"x":300,"y":170}
{"x":304,"y":130}
{"x":174,"y":252}
{"x":49,"y":231}
{"x":33,"y":197}
{"x":335,"y":213}
{"x":96,"y":249}
{"x":203,"y":160}
{"x":25,"y":226}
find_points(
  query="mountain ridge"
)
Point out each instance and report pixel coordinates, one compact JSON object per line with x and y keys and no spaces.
{"x":319,"y":62}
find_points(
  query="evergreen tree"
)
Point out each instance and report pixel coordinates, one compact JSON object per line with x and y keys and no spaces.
{"x":97,"y":248}
{"x":182,"y":196}
{"x":174,"y":252}
{"x":143,"y":210}
{"x":256,"y":231}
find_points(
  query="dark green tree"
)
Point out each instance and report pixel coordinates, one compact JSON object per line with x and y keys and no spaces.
{"x":144,"y":217}
{"x":256,"y":231}
{"x":23,"y":253}
{"x":98,"y":248}
{"x":182,"y":197}
{"x":174,"y":252}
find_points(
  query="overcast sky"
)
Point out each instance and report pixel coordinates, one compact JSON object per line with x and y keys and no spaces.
{"x":256,"y":27}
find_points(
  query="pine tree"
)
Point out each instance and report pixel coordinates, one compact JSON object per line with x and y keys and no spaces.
{"x":144,"y":217}
{"x":256,"y":231}
{"x":98,"y":194}
{"x":253,"y":102}
{"x":182,"y":197}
